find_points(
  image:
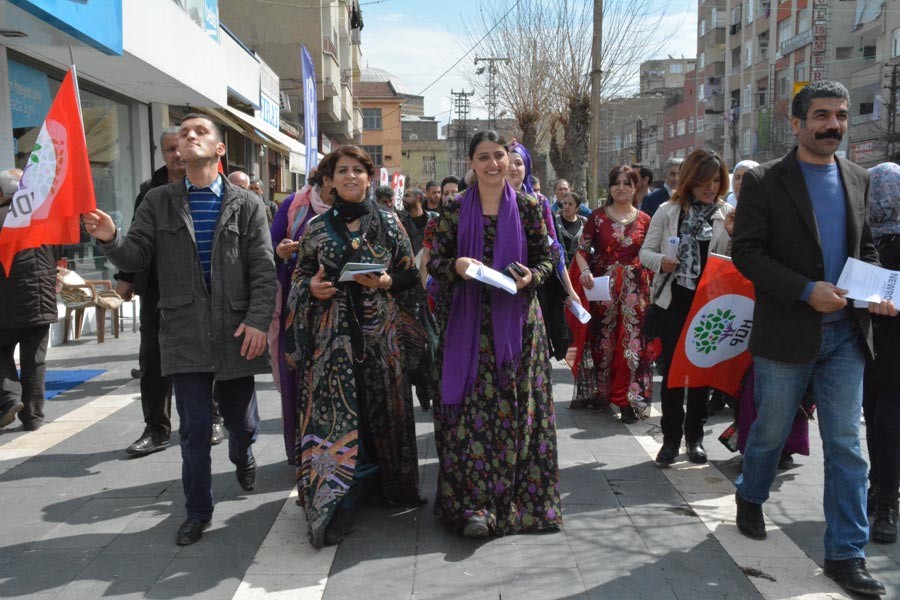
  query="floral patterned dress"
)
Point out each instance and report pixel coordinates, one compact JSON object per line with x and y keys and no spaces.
{"x":355,"y":416}
{"x":497,"y":454}
{"x":618,"y":358}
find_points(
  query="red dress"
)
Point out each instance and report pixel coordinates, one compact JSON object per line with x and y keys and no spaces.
{"x":621,"y":366}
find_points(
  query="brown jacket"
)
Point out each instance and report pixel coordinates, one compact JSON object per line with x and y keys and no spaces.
{"x":776,"y":246}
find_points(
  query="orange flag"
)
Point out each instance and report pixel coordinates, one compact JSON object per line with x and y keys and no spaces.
{"x":712,"y":350}
{"x":56,"y":186}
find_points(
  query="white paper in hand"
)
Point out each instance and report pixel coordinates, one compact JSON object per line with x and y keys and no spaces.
{"x":671,"y":249}
{"x":491,"y":277}
{"x":351,"y":269}
{"x":600,"y":291}
{"x":868,"y":283}
{"x":582,"y":315}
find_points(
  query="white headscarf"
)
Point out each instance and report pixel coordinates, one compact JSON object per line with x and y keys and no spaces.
{"x":744,"y":164}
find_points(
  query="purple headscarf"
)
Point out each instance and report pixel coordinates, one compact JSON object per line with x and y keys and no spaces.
{"x":522,"y":151}
{"x":884,"y":191}
{"x":508,"y":311}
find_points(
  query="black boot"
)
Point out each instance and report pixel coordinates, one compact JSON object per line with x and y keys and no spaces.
{"x":884,"y":527}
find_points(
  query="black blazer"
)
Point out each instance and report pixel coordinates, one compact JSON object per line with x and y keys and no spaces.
{"x":776,"y":246}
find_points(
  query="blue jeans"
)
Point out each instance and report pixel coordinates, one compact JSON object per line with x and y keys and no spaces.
{"x":194,"y":401}
{"x":835,"y":378}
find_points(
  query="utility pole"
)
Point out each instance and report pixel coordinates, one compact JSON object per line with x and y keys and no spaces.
{"x":461,"y":130}
{"x":639,"y":140}
{"x":492,"y":86}
{"x":596,"y":73}
{"x":891,"y":141}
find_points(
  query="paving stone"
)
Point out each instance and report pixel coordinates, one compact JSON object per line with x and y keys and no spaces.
{"x":117,"y":574}
{"x":200,"y":578}
{"x":535,"y":581}
{"x":43,"y":570}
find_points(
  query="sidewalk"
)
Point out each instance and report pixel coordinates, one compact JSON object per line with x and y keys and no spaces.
{"x":83,"y":520}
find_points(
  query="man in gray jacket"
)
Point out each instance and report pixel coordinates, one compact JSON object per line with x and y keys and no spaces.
{"x":216,"y":275}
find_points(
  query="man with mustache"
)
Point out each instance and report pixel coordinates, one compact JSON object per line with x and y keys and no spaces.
{"x":798,"y":221}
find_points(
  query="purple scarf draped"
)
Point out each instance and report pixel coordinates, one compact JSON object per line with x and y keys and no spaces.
{"x":508,"y":312}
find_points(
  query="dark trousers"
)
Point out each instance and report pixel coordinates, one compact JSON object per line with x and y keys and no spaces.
{"x":194,"y":400}
{"x":675,"y":421}
{"x":881,"y":408}
{"x":156,"y":390}
{"x":28,"y":387}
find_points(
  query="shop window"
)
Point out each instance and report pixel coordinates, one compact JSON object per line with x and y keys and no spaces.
{"x":108,"y":131}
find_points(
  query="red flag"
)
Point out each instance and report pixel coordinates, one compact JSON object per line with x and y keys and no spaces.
{"x":712,"y":350}
{"x":56,"y":187}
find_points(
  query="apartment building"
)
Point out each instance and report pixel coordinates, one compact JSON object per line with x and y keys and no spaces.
{"x":331,"y":31}
{"x":775,"y":48}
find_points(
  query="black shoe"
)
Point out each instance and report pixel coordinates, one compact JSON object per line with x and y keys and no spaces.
{"x":218,"y":433}
{"x":667,"y":453}
{"x":136,"y":373}
{"x":9,"y":411}
{"x":148,"y":443}
{"x":884,"y":527}
{"x":246,"y":475}
{"x":33,"y":425}
{"x":750,"y":518}
{"x":696,"y":453}
{"x":476,"y":527}
{"x":786,"y":462}
{"x":190,"y":532}
{"x":628,"y":415}
{"x":852,"y":575}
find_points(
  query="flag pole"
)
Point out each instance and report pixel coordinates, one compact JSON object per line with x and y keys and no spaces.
{"x":77,"y":90}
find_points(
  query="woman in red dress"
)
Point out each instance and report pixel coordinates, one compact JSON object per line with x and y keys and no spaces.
{"x":610,"y":244}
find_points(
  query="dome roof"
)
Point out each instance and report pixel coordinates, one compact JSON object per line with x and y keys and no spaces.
{"x":373,"y":75}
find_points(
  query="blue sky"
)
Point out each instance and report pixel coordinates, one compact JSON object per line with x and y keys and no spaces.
{"x":417,"y":40}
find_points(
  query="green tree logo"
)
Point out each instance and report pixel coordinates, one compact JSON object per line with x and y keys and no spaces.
{"x":714,"y":328}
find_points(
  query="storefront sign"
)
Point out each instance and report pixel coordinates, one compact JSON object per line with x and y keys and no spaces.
{"x":204,"y":14}
{"x":310,"y":110}
{"x":866,"y":151}
{"x":97,"y":23}
{"x":29,"y":95}
{"x":269,"y":111}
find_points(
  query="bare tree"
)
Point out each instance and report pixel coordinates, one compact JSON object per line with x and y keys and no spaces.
{"x":523,"y":83}
{"x":547,"y":84}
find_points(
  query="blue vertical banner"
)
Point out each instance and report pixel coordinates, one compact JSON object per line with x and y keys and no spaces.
{"x":310,"y":111}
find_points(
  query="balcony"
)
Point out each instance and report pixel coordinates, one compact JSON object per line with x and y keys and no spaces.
{"x":714,"y":103}
{"x":328,"y":47}
{"x":734,"y":29}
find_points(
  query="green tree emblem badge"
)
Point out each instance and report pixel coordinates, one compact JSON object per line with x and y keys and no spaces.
{"x":714,"y":328}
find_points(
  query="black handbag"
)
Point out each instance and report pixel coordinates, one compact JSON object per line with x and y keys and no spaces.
{"x":651,"y":315}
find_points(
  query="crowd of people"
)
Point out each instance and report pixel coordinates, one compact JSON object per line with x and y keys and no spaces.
{"x":359,"y":305}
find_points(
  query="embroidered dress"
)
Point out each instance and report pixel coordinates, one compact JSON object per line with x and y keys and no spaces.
{"x":621,"y":365}
{"x":497,"y":452}
{"x":356,"y":424}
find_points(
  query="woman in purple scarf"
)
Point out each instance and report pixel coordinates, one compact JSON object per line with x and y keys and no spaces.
{"x":287,"y":228}
{"x":495,"y":428}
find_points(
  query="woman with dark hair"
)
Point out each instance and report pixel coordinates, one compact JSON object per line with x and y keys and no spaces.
{"x":287,"y":229}
{"x":695,"y":216}
{"x":356,"y":429}
{"x":570,"y":224}
{"x":495,"y":427}
{"x":557,"y":290}
{"x":609,"y":246}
